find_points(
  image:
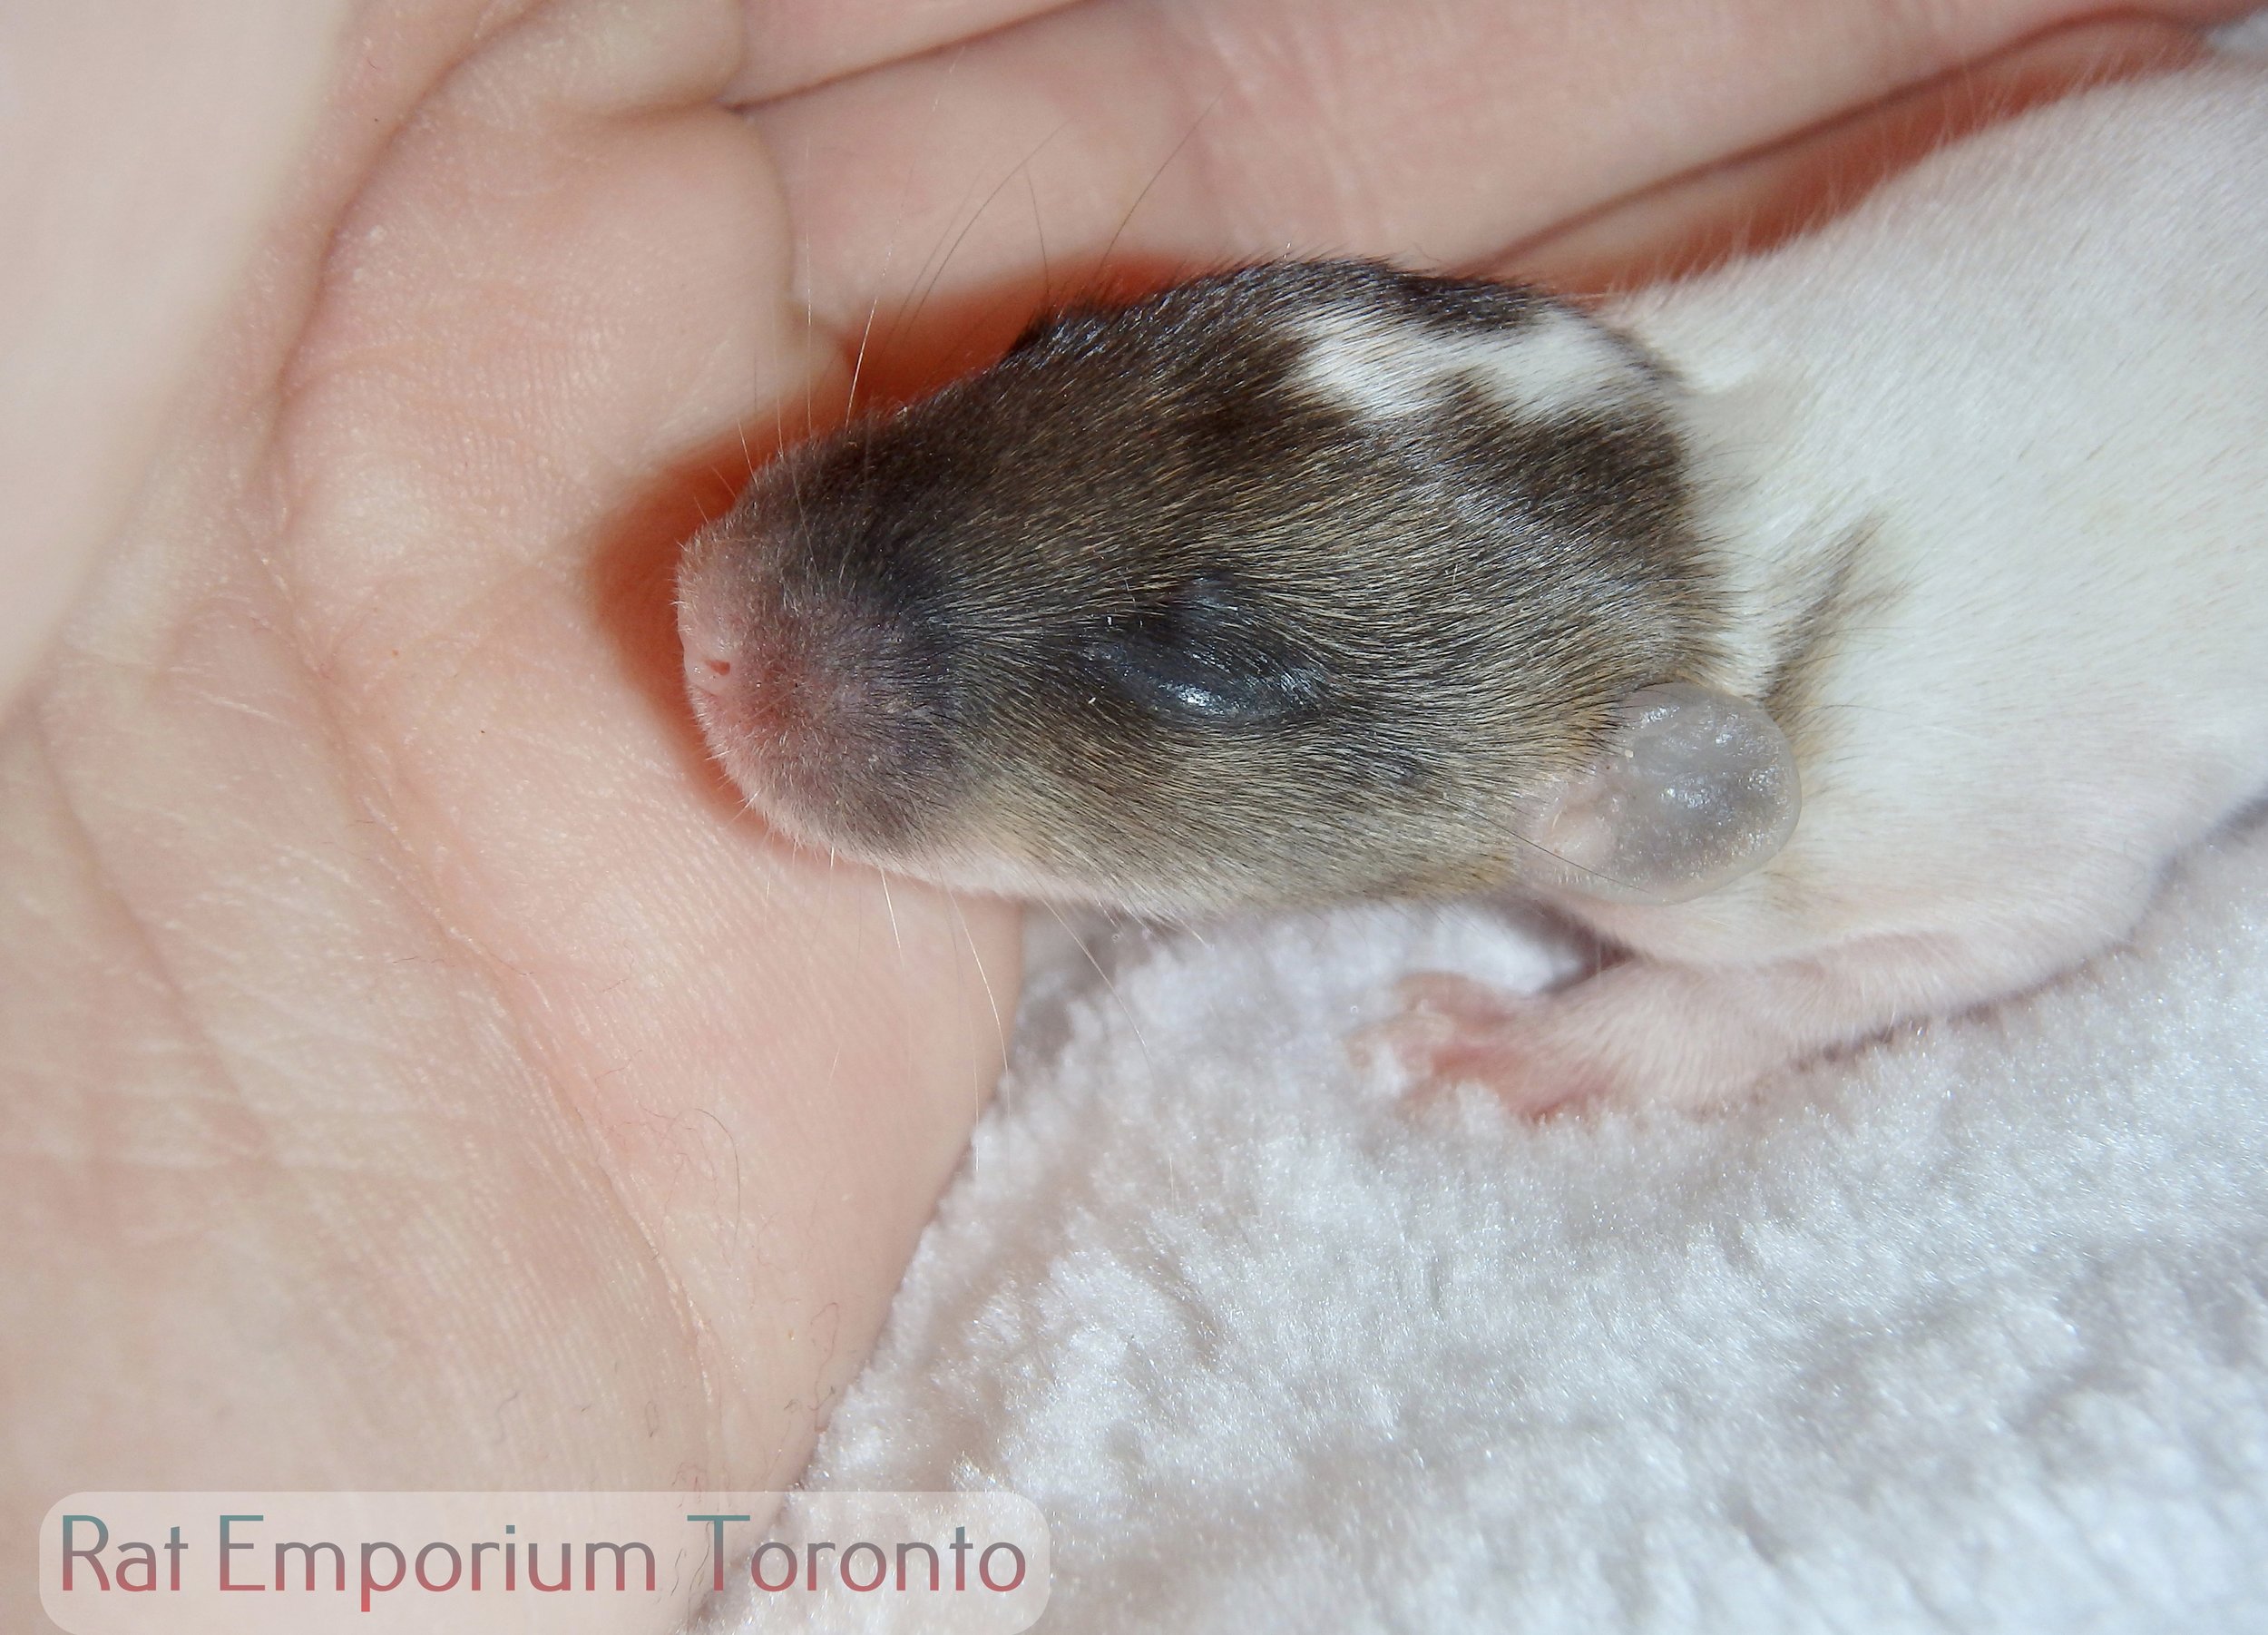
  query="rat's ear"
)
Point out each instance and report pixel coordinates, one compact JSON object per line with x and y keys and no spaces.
{"x":1695,"y":788}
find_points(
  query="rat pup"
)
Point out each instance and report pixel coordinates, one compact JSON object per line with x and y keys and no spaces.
{"x":1317,"y":581}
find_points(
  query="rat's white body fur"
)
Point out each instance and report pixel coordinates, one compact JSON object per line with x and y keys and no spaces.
{"x":2002,"y":433}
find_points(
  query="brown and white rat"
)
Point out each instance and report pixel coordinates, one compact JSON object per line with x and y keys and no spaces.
{"x":1314,"y":581}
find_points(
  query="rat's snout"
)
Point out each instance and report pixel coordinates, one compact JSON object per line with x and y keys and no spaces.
{"x":817,"y":699}
{"x":714,"y":664}
{"x":754,"y":686}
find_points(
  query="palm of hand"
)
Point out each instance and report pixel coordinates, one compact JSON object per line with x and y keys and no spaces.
{"x":452,"y":1093}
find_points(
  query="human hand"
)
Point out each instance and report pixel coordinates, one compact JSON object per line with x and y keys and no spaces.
{"x":418,"y":1074}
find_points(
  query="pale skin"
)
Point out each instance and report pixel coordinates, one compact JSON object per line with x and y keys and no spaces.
{"x":417,"y":1071}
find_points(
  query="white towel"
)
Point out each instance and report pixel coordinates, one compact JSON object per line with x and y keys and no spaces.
{"x":1967,"y":1333}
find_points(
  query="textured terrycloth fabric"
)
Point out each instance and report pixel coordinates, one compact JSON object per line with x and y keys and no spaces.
{"x":1970,"y":1332}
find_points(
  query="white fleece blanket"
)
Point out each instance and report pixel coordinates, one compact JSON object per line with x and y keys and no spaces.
{"x":1968,"y":1332}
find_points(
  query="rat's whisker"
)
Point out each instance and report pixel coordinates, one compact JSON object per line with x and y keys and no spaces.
{"x":1102,"y":262}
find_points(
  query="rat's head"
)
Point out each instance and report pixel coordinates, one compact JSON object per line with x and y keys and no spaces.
{"x":1286,"y":585}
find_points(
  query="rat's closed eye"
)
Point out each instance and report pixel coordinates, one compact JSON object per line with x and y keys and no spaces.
{"x":1202,"y":658}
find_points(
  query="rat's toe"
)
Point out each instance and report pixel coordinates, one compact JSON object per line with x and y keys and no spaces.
{"x":1454,"y":1032}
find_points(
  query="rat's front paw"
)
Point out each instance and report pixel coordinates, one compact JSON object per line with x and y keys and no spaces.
{"x":1454,"y":1031}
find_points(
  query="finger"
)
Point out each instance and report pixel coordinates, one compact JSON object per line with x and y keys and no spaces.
{"x":1748,"y":204}
{"x":1194,"y":134}
{"x":794,"y":44}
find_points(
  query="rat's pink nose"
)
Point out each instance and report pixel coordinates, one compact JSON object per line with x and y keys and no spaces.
{"x":753,"y":686}
{"x":712,"y":656}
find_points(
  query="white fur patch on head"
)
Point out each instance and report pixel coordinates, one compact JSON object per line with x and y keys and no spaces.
{"x":1559,"y":363}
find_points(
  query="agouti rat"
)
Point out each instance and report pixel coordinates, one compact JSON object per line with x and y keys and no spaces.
{"x":1310,"y":580}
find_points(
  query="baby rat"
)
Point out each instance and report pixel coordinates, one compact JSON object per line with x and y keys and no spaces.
{"x":1315,"y":581}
